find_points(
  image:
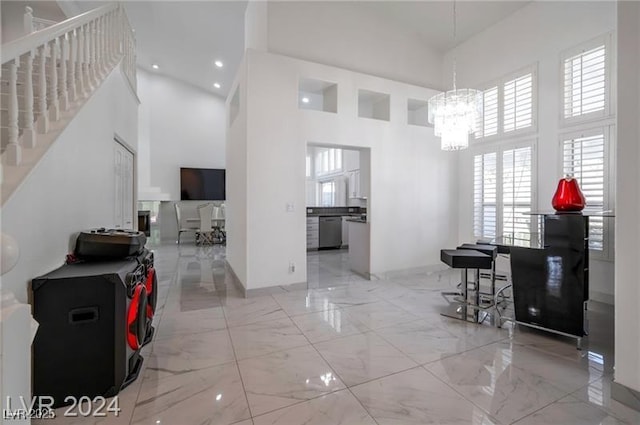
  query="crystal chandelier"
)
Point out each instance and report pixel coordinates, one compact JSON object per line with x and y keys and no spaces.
{"x":456,"y":113}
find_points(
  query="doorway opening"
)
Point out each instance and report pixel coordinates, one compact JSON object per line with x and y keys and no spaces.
{"x":338,"y":214}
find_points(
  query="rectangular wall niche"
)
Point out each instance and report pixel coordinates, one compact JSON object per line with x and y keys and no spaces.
{"x":373,"y":104}
{"x":317,"y":95}
{"x":234,"y":106}
{"x":418,"y":112}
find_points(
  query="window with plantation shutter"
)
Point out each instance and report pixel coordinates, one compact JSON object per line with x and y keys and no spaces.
{"x":503,"y":191}
{"x":585,"y":81}
{"x":485,"y":195}
{"x":489,"y":125}
{"x":584,"y":158}
{"x":509,"y":105}
{"x":518,"y":103}
{"x":516,"y":190}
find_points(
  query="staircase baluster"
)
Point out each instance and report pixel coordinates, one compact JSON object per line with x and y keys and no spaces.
{"x":89,"y":57}
{"x":13,"y":151}
{"x":73,"y":55}
{"x":80,"y":73}
{"x":54,"y":103}
{"x":87,"y":60}
{"x":43,"y":119}
{"x":113,"y":35}
{"x":92,"y":56}
{"x":98,"y":30}
{"x":28,"y":134}
{"x":103,"y":44}
{"x":107,"y":38}
{"x":64,"y":93}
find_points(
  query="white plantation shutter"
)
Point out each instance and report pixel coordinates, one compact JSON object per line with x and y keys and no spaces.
{"x":585,"y":82}
{"x":584,"y":158}
{"x":485,"y":195}
{"x":518,"y":103}
{"x":509,"y":104}
{"x":489,"y":125}
{"x":516,"y":190}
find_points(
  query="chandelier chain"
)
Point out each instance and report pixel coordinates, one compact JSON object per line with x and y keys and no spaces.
{"x":454,"y":44}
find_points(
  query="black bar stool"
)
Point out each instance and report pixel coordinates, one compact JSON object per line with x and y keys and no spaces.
{"x":492,"y":251}
{"x":466,"y":259}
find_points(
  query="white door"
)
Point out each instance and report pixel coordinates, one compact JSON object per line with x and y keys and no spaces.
{"x":123,"y":187}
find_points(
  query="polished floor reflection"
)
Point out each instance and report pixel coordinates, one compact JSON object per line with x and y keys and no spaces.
{"x":346,"y":351}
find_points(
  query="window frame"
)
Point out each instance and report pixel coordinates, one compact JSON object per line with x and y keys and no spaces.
{"x":604,"y":120}
{"x":333,"y":154}
{"x":609,"y":109}
{"x":500,"y":83}
{"x":608,"y":131}
{"x":499,"y":148}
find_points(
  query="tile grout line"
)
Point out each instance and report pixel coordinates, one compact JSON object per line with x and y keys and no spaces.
{"x":235,"y":356}
{"x":338,"y":375}
{"x":174,"y":280}
{"x":463,"y":396}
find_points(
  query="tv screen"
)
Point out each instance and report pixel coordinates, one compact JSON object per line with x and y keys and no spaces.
{"x":201,"y":184}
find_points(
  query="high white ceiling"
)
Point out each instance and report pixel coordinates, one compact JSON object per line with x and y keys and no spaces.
{"x":184,"y":38}
{"x":433,"y":20}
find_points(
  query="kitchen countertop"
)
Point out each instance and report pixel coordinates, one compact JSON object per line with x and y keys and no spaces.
{"x":335,"y":211}
{"x":334,"y":215}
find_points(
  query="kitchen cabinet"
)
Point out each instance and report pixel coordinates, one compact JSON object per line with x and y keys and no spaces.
{"x":358,"y":186}
{"x":313,"y":232}
{"x":354,"y":184}
{"x":359,"y":257}
{"x":345,"y":230}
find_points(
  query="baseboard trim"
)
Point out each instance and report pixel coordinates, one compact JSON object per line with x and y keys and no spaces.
{"x":602,"y":297}
{"x":400,"y":273}
{"x":625,"y":395}
{"x":234,"y":278}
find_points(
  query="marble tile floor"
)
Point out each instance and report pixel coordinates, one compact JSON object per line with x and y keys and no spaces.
{"x":347,"y":351}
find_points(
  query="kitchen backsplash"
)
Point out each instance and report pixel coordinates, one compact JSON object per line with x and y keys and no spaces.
{"x":336,"y":210}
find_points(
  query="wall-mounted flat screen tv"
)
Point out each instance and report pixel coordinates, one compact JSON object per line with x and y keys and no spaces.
{"x":202,"y":184}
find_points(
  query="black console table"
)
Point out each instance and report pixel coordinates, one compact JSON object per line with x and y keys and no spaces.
{"x":550,"y":273}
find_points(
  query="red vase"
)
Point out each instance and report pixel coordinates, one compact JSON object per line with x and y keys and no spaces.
{"x":568,"y":196}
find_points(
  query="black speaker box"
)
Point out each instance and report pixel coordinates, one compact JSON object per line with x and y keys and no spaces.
{"x":93,"y":321}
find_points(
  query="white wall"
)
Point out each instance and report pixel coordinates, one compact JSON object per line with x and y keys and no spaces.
{"x":183,"y":127}
{"x":237,"y":178}
{"x":72,"y":187}
{"x":13,"y":12}
{"x":256,"y":31}
{"x":537,"y":33}
{"x":412,"y":180}
{"x":350,"y":36}
{"x":627,"y":320}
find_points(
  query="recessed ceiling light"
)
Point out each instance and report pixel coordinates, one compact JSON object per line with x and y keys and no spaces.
{"x":155,"y":66}
{"x":219,"y":64}
{"x":216,"y":85}
{"x":305,"y":100}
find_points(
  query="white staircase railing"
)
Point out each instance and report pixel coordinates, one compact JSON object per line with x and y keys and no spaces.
{"x":31,"y":23}
{"x":52,"y":70}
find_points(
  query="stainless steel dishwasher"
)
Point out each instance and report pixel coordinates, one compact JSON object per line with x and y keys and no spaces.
{"x":330,"y":232}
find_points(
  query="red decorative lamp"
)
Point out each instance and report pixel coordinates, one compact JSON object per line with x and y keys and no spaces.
{"x":568,"y":196}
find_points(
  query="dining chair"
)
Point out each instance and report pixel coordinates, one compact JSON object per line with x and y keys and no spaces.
{"x":181,"y":229}
{"x":204,"y":234}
